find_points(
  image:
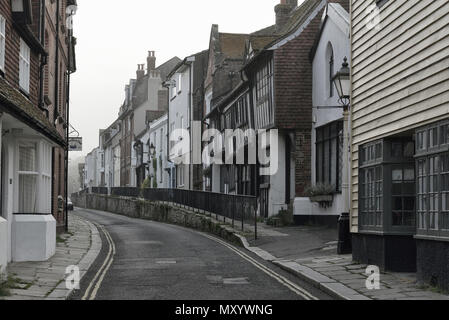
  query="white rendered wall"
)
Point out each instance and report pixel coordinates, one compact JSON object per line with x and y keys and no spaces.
{"x":3,"y":244}
{"x":33,"y":238}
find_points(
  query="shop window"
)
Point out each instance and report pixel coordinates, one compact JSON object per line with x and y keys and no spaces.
{"x":433,"y":180}
{"x":387,"y":187}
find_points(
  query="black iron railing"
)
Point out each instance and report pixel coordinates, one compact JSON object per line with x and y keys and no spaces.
{"x":100,"y":190}
{"x":235,"y":209}
{"x":126,"y":192}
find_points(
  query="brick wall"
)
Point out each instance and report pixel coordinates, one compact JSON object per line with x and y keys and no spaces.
{"x":12,"y":47}
{"x":11,"y":74}
{"x":303,"y":161}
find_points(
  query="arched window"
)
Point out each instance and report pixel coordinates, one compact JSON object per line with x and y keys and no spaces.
{"x":330,"y":68}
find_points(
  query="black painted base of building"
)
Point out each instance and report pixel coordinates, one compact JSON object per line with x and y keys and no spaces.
{"x":433,"y":263}
{"x":388,"y":252}
{"x":330,"y":221}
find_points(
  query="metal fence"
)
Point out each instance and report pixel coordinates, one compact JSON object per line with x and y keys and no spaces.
{"x":235,"y":209}
{"x":99,"y":190}
{"x":126,"y":192}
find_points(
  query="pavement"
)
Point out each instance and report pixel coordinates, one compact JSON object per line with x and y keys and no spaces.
{"x":46,"y":280}
{"x":310,"y":253}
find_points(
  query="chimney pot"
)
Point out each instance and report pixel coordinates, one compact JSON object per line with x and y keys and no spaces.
{"x":283,"y":10}
{"x":140,"y":71}
{"x":151,"y":61}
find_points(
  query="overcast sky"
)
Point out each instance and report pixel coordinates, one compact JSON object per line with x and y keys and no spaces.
{"x":114,"y":36}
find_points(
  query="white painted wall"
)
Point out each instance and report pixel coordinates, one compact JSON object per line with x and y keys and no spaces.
{"x":157,"y":135}
{"x":335,"y":34}
{"x":278,"y":181}
{"x":33,"y":238}
{"x":180,"y":115}
{"x":91,"y":169}
{"x":3,"y":244}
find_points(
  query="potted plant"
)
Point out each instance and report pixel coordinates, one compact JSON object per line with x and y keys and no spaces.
{"x":321,"y":193}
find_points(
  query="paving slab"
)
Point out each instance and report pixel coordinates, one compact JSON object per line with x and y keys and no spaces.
{"x":47,"y":279}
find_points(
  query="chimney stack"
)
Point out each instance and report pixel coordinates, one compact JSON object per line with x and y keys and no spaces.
{"x":283,"y":11}
{"x":140,"y":71}
{"x":151,"y":61}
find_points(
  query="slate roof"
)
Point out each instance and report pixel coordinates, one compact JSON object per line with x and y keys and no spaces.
{"x":298,"y":16}
{"x":233,"y":44}
{"x":15,"y":103}
{"x":260,"y":42}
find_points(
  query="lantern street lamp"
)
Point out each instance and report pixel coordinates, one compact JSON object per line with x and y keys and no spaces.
{"x":342,"y":81}
{"x":152,"y":150}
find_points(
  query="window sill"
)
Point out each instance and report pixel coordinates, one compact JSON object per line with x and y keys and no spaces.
{"x":432,"y":238}
{"x":25,"y":93}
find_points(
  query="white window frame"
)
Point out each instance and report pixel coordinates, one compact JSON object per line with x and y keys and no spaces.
{"x":174,"y":91}
{"x":181,"y":175}
{"x":2,"y":42}
{"x":43,"y":175}
{"x":179,"y":83}
{"x":24,"y":66}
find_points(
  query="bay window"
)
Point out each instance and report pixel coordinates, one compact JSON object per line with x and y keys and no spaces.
{"x":432,"y":162}
{"x":387,"y":187}
{"x":34,"y":178}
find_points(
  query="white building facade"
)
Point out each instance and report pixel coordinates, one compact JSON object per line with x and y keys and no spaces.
{"x":330,"y":49}
{"x":161,"y":170}
{"x":179,"y":115}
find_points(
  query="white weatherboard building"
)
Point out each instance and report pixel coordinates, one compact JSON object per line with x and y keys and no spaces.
{"x":330,"y":49}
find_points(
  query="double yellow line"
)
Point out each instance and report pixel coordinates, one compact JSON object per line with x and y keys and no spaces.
{"x":281,"y":279}
{"x":95,"y":284}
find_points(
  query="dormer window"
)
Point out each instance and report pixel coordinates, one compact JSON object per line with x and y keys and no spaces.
{"x":22,"y":11}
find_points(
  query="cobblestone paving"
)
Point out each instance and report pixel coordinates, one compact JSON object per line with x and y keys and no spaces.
{"x":46,"y":280}
{"x":393,"y":286}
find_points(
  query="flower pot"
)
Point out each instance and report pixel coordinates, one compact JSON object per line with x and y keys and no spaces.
{"x":325,"y":201}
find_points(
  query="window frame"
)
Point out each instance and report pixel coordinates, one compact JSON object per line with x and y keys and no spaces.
{"x":440,"y":151}
{"x":43,"y":174}
{"x":24,"y":66}
{"x":2,"y":43}
{"x":382,"y":154}
{"x":321,"y":139}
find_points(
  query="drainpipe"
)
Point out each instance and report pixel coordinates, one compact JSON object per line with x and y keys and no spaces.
{"x":43,"y":59}
{"x":56,"y":102}
{"x":67,"y":130}
{"x":167,"y":84}
{"x":190,"y":127}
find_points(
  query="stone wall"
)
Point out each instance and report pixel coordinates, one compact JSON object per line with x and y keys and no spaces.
{"x":155,"y":211}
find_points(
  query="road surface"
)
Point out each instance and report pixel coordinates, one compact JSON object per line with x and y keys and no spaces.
{"x":146,"y":260}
